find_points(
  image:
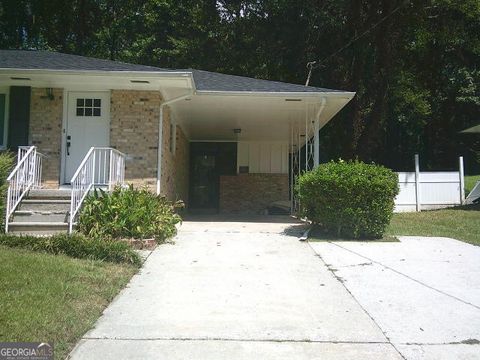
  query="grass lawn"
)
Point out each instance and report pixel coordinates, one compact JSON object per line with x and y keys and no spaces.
{"x":462,"y":223}
{"x":53,"y":297}
{"x":470,"y":182}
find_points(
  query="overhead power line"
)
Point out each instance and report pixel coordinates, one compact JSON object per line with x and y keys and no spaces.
{"x":317,"y":63}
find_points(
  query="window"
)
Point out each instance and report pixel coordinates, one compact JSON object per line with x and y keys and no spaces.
{"x":89,"y":107}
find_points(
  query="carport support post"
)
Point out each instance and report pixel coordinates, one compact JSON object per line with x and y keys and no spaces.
{"x":417,"y":182}
{"x":316,"y":138}
{"x":316,"y":145}
{"x":462,"y":180}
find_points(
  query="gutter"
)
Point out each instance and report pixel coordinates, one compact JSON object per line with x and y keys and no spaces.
{"x":293,"y":94}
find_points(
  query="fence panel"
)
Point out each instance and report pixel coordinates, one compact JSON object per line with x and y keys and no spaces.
{"x":429,"y":190}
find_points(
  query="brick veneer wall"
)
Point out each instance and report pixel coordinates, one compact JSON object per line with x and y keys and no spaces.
{"x":45,"y":132}
{"x":134,"y":117}
{"x":251,"y":193}
{"x":175,"y":166}
{"x":134,"y":131}
{"x":182,"y":166}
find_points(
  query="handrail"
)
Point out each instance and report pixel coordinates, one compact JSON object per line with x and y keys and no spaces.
{"x":26,"y":175}
{"x":82,"y":164}
{"x":101,"y":166}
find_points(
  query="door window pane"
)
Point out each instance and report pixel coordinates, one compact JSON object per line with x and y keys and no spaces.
{"x":89,"y":107}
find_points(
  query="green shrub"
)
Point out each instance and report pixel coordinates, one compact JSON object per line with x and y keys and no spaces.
{"x":77,"y":246}
{"x":6,"y":164}
{"x":350,"y":199}
{"x":128,"y":213}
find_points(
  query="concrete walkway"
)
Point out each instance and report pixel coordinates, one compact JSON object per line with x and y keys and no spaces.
{"x":423,"y":292}
{"x":237,"y":290}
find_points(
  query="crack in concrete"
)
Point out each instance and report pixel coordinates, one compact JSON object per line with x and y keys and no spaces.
{"x":237,"y":340}
{"x":407,"y":276}
{"x":342,"y":282}
{"x":463,"y":342}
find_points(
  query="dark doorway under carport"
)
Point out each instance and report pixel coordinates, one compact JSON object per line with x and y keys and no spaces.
{"x":208,"y":161}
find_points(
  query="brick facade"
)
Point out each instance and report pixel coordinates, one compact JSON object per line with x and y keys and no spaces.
{"x":182,"y":166}
{"x":175,"y":164}
{"x":134,"y":117}
{"x":251,"y":193}
{"x":45,"y":132}
{"x":134,"y":131}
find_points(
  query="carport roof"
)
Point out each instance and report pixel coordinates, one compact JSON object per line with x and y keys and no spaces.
{"x":204,"y":80}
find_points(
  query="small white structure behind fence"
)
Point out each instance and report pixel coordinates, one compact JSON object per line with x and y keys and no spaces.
{"x":430,"y":190}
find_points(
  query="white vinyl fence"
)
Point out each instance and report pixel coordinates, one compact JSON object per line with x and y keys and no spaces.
{"x":430,"y":190}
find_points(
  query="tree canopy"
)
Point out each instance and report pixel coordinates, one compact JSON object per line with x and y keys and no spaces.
{"x":416,"y":74}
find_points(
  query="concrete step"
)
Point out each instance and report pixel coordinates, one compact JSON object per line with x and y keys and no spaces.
{"x":52,"y":194}
{"x":45,"y":205}
{"x":37,"y":228}
{"x":22,"y":216}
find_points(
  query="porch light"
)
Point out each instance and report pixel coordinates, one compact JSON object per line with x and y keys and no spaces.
{"x":49,"y":92}
{"x":237,"y":131}
{"x":140,"y":81}
{"x":20,"y":78}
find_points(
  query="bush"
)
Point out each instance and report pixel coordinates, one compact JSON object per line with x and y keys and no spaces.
{"x":6,"y":164}
{"x":128,"y":213}
{"x":350,"y":199}
{"x":77,"y":246}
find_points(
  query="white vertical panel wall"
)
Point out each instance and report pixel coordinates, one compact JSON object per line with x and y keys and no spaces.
{"x":437,"y":189}
{"x":263,"y":157}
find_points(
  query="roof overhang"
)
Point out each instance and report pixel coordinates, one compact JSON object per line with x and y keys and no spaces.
{"x":213,"y":116}
{"x":170,"y":83}
{"x":206,"y":115}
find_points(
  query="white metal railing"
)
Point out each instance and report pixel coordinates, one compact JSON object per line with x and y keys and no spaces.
{"x":102,"y":166}
{"x":26,"y":175}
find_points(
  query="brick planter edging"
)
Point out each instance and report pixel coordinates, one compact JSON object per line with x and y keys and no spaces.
{"x":141,"y":244}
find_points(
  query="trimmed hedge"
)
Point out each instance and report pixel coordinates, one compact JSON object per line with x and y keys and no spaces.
{"x":349,"y":198}
{"x":6,"y":164}
{"x":128,"y":213}
{"x":76,"y":246}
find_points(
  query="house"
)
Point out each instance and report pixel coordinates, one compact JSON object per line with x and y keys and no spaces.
{"x":219,"y":142}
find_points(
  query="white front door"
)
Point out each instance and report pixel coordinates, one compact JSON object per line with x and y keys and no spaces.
{"x":88,"y":124}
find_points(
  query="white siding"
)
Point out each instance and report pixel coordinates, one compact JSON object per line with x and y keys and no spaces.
{"x":263,"y":157}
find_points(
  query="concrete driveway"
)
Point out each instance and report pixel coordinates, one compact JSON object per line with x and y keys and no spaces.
{"x":251,"y":290}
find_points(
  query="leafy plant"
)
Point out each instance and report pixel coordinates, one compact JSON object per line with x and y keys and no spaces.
{"x":6,"y":164}
{"x":76,"y":245}
{"x":128,"y":213}
{"x":351,"y":199}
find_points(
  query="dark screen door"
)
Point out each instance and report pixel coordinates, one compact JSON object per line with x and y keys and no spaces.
{"x":204,"y":190}
{"x":208,"y":161}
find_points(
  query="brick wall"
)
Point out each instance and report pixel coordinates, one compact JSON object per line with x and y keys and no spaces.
{"x":45,"y":131}
{"x":182,"y":162}
{"x":134,"y":131}
{"x":134,"y":117}
{"x":175,"y":165}
{"x":251,"y":193}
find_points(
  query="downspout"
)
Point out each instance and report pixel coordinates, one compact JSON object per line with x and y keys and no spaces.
{"x":160,"y":137}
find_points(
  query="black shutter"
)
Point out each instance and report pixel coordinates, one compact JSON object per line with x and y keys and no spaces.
{"x":19,"y":116}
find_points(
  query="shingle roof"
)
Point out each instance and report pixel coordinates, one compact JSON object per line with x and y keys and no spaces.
{"x":47,"y":60}
{"x":204,"y":80}
{"x":212,"y":81}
